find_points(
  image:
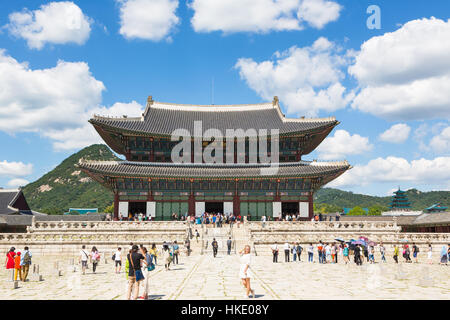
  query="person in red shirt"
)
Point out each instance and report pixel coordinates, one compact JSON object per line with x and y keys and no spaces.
{"x":10,"y":261}
{"x":17,"y":267}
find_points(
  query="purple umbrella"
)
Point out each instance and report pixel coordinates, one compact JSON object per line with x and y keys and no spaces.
{"x":359,"y":242}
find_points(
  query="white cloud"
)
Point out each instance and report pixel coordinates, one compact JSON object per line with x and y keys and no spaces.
{"x":85,"y":135}
{"x":394,"y":170}
{"x":55,"y":22}
{"x":55,"y":102}
{"x":15,"y":169}
{"x":317,"y":13}
{"x":441,"y":142}
{"x":342,"y":144}
{"x":42,"y":100}
{"x":405,"y":75}
{"x":14,"y":183}
{"x":307,"y":80}
{"x":398,"y":133}
{"x":261,"y":15}
{"x":148,"y":19}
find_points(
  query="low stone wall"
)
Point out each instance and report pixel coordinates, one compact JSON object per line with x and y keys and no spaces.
{"x":68,"y":237}
{"x":262,"y":237}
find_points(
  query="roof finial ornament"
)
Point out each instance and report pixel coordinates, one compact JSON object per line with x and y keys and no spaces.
{"x":275,"y":100}
{"x":150,"y":100}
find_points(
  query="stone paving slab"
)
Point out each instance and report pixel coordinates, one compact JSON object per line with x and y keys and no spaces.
{"x":205,"y":277}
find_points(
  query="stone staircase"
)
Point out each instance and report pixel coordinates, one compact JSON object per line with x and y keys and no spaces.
{"x":221,"y":235}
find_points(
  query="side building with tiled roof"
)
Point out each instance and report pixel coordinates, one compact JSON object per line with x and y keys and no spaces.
{"x":239,"y":182}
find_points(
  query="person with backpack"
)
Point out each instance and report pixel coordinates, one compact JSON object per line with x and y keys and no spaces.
{"x":135,"y":275}
{"x":167,"y":256}
{"x":25,"y":263}
{"x":83,"y":259}
{"x":176,"y":252}
{"x":145,"y":270}
{"x":95,"y":258}
{"x":215,"y":247}
{"x":415,"y":252}
{"x":117,"y":258}
{"x":154,"y":253}
{"x":396,"y":252}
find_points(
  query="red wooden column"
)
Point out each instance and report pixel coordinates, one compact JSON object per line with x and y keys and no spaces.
{"x":191,"y":200}
{"x":311,"y":205}
{"x":236,"y":200}
{"x":116,"y":205}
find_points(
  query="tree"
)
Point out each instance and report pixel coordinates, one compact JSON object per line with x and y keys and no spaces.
{"x":376,"y":210}
{"x":109,"y":209}
{"x":357,"y":211}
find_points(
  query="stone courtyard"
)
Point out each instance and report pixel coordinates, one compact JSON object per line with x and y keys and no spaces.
{"x":205,"y":277}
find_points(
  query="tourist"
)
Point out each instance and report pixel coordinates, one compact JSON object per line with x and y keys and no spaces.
{"x":154,"y":253}
{"x":338,"y":216}
{"x":358,"y":257}
{"x":95,"y":258}
{"x":197,"y":235}
{"x":415,"y":250}
{"x":371,"y":252}
{"x":430,"y":254}
{"x":215,"y":247}
{"x":299,"y":252}
{"x":294,"y":252}
{"x":383,"y":252}
{"x":25,"y":263}
{"x":274,"y":253}
{"x":245,"y":272}
{"x":287,"y":250}
{"x":176,"y":251}
{"x":83,"y":259}
{"x":131,"y":246}
{"x":145,"y":270}
{"x":407,"y":254}
{"x":135,"y":261}
{"x":333,"y":253}
{"x":319,"y":251}
{"x":117,"y":257}
{"x":366,"y":252}
{"x":187,"y":245}
{"x":167,"y":256}
{"x":396,"y":252}
{"x":327,"y":253}
{"x":444,"y":255}
{"x":10,"y":261}
{"x":311,"y":253}
{"x":345,"y":253}
{"x":229,"y":243}
{"x":17,"y":269}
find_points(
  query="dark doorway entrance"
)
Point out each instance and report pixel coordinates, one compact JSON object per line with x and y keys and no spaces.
{"x":290,"y":208}
{"x":214,"y":207}
{"x":137,"y":207}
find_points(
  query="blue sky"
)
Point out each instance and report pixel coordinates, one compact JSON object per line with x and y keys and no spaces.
{"x":60,"y":62}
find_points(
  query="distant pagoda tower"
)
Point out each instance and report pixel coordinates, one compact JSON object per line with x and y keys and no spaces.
{"x":400,"y":201}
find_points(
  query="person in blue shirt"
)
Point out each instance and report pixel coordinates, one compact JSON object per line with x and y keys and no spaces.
{"x":25,"y":262}
{"x":176,"y":251}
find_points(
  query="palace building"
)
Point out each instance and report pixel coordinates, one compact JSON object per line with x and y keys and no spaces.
{"x":239,"y":181}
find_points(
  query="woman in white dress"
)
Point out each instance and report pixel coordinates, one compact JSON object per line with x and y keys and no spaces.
{"x":245,"y":272}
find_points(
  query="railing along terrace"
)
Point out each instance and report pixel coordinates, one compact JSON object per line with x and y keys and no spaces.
{"x":324,"y":226}
{"x":106,"y":226}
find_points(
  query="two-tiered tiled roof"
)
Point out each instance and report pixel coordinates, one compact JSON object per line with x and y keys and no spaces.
{"x":163,"y":118}
{"x":171,"y":170}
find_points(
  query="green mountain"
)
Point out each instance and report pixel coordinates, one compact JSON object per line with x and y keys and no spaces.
{"x":344,"y":199}
{"x":67,"y":187}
